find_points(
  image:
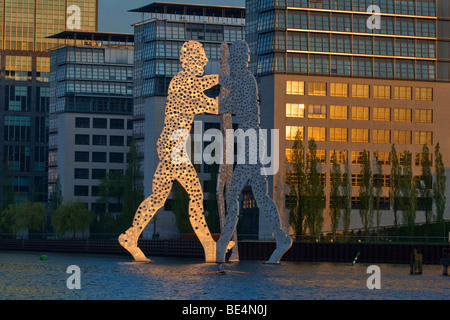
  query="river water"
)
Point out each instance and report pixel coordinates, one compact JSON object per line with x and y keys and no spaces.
{"x":102,"y":277}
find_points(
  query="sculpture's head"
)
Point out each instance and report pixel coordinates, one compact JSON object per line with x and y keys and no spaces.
{"x":193,"y":58}
{"x":239,"y":56}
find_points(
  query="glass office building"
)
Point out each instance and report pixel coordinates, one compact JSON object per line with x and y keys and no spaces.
{"x":158,"y":40}
{"x":352,"y":78}
{"x":24,"y":88}
{"x":91,"y":108}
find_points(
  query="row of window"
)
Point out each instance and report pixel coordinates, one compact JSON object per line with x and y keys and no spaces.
{"x":101,"y":157}
{"x":96,"y":174}
{"x":101,"y":123}
{"x":356,"y":157}
{"x":360,"y":135}
{"x":319,"y":111}
{"x":358,"y":90}
{"x":93,"y":72}
{"x":99,"y":140}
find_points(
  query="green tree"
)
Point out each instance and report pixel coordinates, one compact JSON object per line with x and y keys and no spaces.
{"x":7,"y":186}
{"x":72,"y":216}
{"x":425,"y":184}
{"x":378,"y":188}
{"x":408,"y":193}
{"x":56,"y":198}
{"x":180,"y":207}
{"x":366,"y":193}
{"x":314,"y":192}
{"x":7,"y":216}
{"x":346,"y":199}
{"x":26,"y":216}
{"x":335,"y":193}
{"x":112,"y":188}
{"x":133,"y":191}
{"x":439,"y":188}
{"x":297,"y":183}
{"x":394,"y":184}
{"x":212,"y":219}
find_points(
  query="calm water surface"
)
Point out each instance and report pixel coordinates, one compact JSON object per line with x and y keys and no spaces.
{"x":25,"y":276}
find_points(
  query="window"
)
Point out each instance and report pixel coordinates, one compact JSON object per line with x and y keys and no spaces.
{"x":98,"y":173}
{"x":317,"y":88}
{"x":357,"y":179}
{"x":82,"y":139}
{"x":295,"y":88}
{"x":402,"y":93}
{"x":382,"y":157}
{"x":360,"y":135}
{"x":318,"y":111}
{"x":295,"y":110}
{"x":424,"y":116}
{"x":81,"y":173}
{"x":360,"y":90}
{"x":360,"y":113}
{"x":98,"y":156}
{"x":357,"y":157}
{"x":99,"y":140}
{"x":381,"y":92}
{"x":381,"y":136}
{"x":290,"y":155}
{"x":418,"y":159}
{"x":291,"y":132}
{"x":116,"y":157}
{"x":119,"y":140}
{"x":81,"y":156}
{"x":402,"y":115}
{"x":99,"y":123}
{"x":402,"y":136}
{"x":82,"y":122}
{"x":341,"y":156}
{"x":339,"y":89}
{"x":424,"y":94}
{"x":423,"y":137}
{"x":321,"y":156}
{"x":382,"y":180}
{"x":116,"y":124}
{"x":317,"y":133}
{"x":339,"y":112}
{"x":381,"y":114}
{"x":81,"y":191}
{"x":338,"y":134}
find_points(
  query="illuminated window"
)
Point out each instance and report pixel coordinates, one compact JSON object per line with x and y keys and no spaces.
{"x":382,"y":92}
{"x":360,"y":90}
{"x":382,"y":157}
{"x":339,"y":112}
{"x":381,"y":114}
{"x":360,"y":135}
{"x":357,"y":157}
{"x":402,"y":115}
{"x":338,"y":134}
{"x":424,"y":94}
{"x":295,"y":88}
{"x":424,"y":116}
{"x":402,"y":136}
{"x":339,"y":89}
{"x":292,"y":131}
{"x":295,"y":110}
{"x":317,"y":133}
{"x":381,"y":136}
{"x":341,"y":156}
{"x":423,"y":137}
{"x":357,"y":179}
{"x":360,"y":113}
{"x":418,"y":159}
{"x":317,"y":88}
{"x":318,"y":111}
{"x":402,"y":93}
{"x":321,"y":156}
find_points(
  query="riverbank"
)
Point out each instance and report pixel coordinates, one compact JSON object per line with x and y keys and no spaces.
{"x":248,"y":250}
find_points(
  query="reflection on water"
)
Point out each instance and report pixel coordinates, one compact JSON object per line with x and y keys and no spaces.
{"x":25,"y":276}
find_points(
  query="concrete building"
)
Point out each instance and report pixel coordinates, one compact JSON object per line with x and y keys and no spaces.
{"x":91,"y":109}
{"x":24,"y":88}
{"x":158,"y":39}
{"x":326,"y":69}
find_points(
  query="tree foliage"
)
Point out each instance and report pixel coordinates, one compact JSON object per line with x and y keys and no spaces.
{"x":335,"y":193}
{"x":439,"y":186}
{"x":366,"y":193}
{"x":73,"y":217}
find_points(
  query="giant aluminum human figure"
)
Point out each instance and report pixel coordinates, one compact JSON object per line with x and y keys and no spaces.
{"x":242,"y":101}
{"x":186,"y":98}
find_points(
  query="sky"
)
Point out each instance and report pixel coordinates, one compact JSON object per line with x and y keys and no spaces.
{"x":113,"y":15}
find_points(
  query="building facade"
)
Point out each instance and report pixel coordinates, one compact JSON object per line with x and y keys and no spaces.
{"x":352,"y":80}
{"x":91,"y":108}
{"x":158,"y":40}
{"x":24,"y":88}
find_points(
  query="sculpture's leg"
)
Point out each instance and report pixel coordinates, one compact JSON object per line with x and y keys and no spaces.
{"x":266,"y":204}
{"x":189,"y":180}
{"x":162,"y":184}
{"x":238,"y":182}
